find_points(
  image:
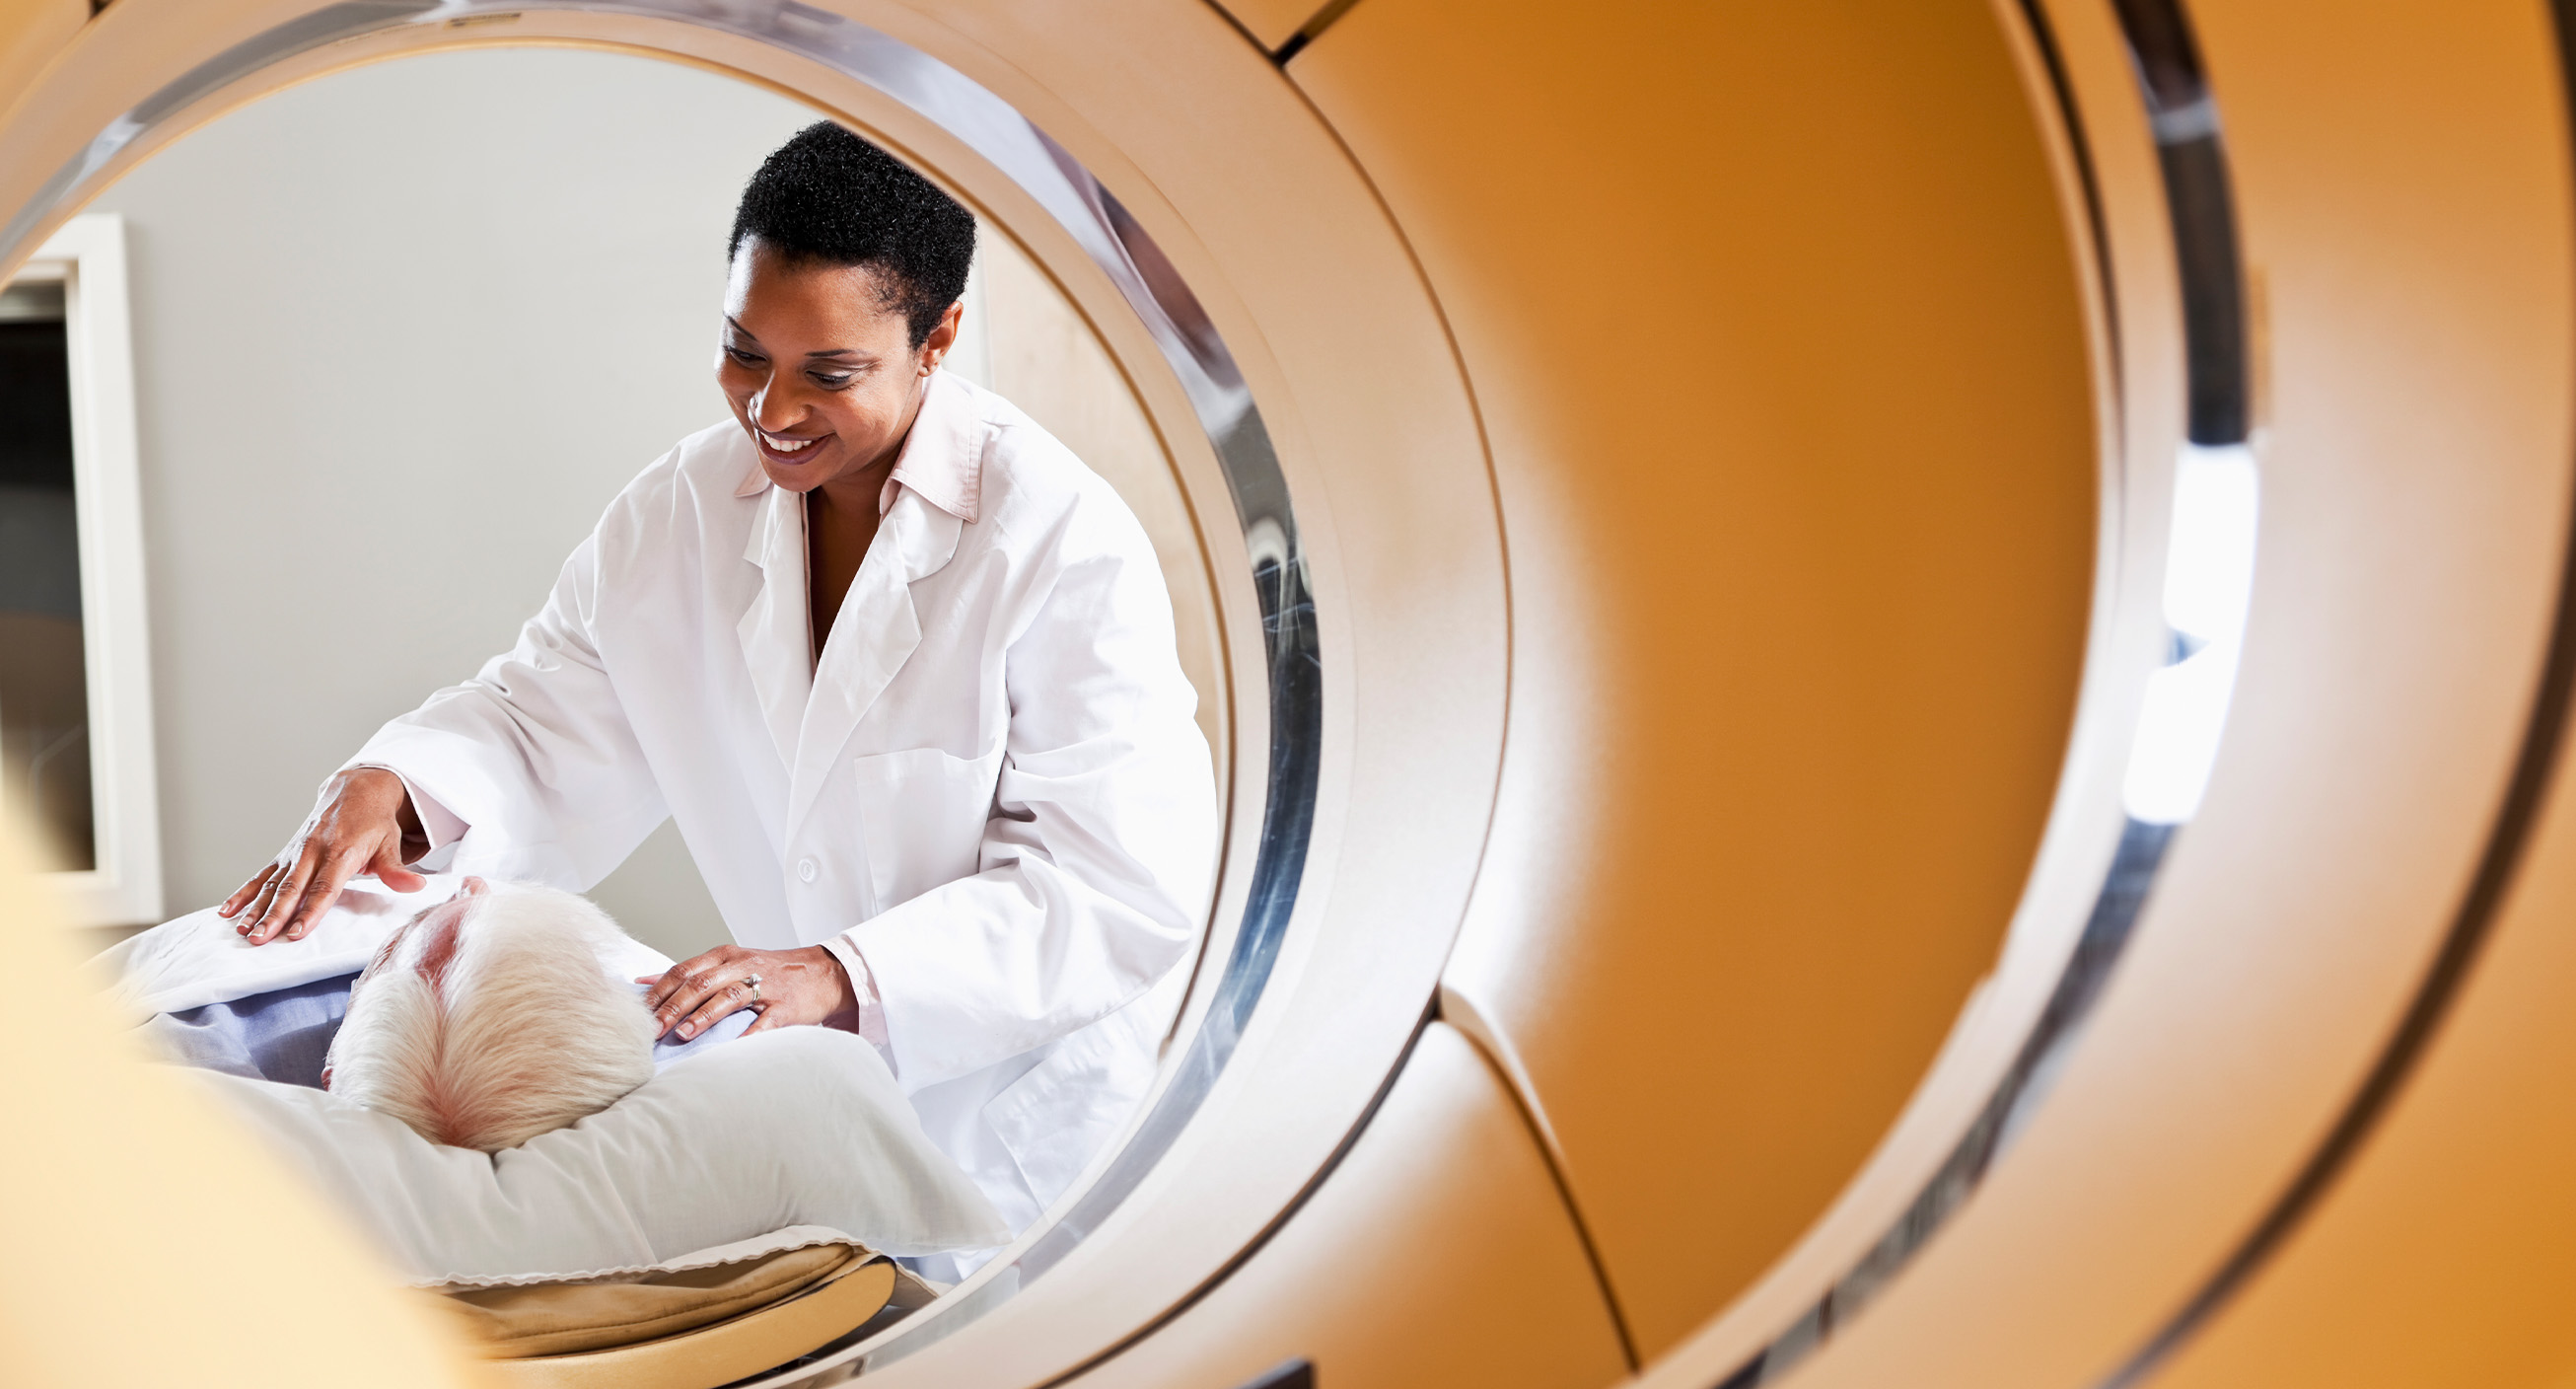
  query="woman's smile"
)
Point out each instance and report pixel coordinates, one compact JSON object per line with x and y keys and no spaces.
{"x":788,"y":450}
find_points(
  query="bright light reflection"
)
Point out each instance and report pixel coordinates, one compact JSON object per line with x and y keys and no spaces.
{"x":2209,"y":581}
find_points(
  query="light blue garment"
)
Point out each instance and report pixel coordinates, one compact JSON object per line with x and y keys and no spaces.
{"x":282,"y":1035}
{"x":671,"y":1049}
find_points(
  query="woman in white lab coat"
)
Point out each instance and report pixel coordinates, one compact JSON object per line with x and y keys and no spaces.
{"x":898,"y":664}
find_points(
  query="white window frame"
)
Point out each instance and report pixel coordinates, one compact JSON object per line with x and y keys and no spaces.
{"x":124,"y":888}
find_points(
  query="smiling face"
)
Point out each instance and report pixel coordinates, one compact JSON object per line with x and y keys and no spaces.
{"x":818,"y":366}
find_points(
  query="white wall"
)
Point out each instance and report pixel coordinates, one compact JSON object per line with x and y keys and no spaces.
{"x":400,"y":335}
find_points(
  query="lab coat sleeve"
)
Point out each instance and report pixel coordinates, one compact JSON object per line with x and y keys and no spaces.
{"x":439,"y":826}
{"x":533,"y":754}
{"x":1095,"y":864}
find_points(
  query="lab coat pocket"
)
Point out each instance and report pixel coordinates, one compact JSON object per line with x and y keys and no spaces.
{"x":921,"y":818}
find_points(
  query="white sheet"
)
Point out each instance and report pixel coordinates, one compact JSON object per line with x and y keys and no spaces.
{"x":200,"y":958}
{"x":802,"y":1127}
{"x":791,"y":1138}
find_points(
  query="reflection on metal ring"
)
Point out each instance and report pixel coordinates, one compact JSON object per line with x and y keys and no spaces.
{"x":1191,"y":347}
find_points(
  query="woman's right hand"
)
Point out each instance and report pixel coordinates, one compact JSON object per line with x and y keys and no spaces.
{"x":357,"y":826}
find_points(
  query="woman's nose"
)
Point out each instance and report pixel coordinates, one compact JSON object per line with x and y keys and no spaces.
{"x":775,"y":409}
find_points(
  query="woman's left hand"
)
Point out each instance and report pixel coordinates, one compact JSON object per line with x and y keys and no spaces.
{"x":786,"y":987}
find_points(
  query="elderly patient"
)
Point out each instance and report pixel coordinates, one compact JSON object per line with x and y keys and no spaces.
{"x":489,"y":1019}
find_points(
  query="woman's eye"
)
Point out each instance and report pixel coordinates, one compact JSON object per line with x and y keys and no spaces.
{"x":749,"y":359}
{"x":831,"y":380}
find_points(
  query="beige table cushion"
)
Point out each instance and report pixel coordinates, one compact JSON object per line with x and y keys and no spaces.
{"x":564,"y":1318}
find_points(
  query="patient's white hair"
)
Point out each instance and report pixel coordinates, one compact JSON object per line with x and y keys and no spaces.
{"x":490,"y":1019}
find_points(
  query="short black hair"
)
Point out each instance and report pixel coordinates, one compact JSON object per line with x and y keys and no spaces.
{"x":827,"y":195}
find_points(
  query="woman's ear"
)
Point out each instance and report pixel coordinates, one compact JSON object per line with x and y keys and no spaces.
{"x":942,"y":337}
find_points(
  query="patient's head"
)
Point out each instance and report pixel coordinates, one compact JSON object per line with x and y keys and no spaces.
{"x":489,"y":1019}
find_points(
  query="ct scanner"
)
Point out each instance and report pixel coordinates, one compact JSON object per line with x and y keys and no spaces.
{"x":1897,"y":679}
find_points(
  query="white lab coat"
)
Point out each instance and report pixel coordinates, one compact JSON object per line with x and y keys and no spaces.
{"x":991,"y":782}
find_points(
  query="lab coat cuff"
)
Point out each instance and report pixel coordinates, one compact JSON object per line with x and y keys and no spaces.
{"x":438,"y":824}
{"x":863,"y":984}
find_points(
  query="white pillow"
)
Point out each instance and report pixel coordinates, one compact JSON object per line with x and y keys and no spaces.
{"x":799,"y":1127}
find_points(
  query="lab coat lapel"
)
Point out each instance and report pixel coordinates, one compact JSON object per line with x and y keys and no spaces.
{"x":776,"y":640}
{"x":871,"y":638}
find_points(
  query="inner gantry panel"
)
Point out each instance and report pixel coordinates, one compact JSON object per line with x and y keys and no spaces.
{"x":2402,"y":198}
{"x":1774,"y":322}
{"x":1436,"y":1252}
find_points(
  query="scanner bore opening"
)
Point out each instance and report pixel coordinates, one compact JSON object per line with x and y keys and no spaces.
{"x":1267,"y":855}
